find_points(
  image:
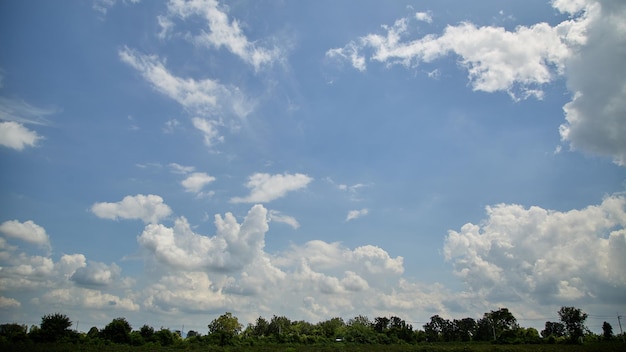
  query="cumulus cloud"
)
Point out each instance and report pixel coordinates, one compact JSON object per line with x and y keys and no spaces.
{"x":195,"y":182}
{"x":96,"y":274}
{"x":544,"y":255}
{"x":355,"y":214}
{"x":595,"y":116}
{"x":26,"y":231}
{"x":277,"y":216}
{"x":149,"y":209}
{"x":220,"y":31}
{"x":266,"y":188}
{"x":233,"y":246}
{"x":15,"y":135}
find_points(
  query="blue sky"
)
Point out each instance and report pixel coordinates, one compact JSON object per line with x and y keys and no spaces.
{"x":170,"y":161}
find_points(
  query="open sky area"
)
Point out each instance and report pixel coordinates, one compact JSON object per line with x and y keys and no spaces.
{"x":169,"y":161}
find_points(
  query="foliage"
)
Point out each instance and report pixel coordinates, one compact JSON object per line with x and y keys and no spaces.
{"x":54,"y":327}
{"x":118,"y":331}
{"x":574,"y":320}
{"x":357,"y":334}
{"x":554,"y":329}
{"x":607,"y":331}
{"x":13,"y":332}
{"x":225,"y":328}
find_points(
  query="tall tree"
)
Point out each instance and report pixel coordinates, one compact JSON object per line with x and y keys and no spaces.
{"x":555,"y":329}
{"x":574,"y":320}
{"x":118,"y":331}
{"x":225,"y":328}
{"x":54,"y":327}
{"x":607,"y":331}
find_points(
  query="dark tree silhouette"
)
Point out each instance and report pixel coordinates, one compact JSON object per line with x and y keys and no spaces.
{"x":118,"y":331}
{"x":54,"y":327}
{"x":607,"y":331}
{"x":574,"y":320}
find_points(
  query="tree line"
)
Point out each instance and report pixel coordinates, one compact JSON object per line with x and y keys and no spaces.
{"x":498,"y":326}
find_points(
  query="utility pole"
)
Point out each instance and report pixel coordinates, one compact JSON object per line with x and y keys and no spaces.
{"x":619,"y":321}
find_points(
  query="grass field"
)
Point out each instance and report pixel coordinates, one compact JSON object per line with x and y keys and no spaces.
{"x":424,"y":347}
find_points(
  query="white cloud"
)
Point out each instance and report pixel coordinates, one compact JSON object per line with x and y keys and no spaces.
{"x":103,"y":6}
{"x":209,"y":129}
{"x":595,"y":116}
{"x":23,"y":113}
{"x":180,"y":169}
{"x":86,"y":298}
{"x":221,"y":32}
{"x":276,"y":216}
{"x":496,"y":59}
{"x":266,"y":188}
{"x":585,"y":49}
{"x":424,"y":17}
{"x":26,"y":231}
{"x":96,"y":274}
{"x":197,"y":181}
{"x":542,"y":255}
{"x":355,"y":214}
{"x":15,"y":135}
{"x":149,"y":209}
{"x":233,"y":246}
{"x":6,"y":302}
{"x":204,"y":97}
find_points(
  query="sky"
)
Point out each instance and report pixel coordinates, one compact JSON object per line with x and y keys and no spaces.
{"x":169,"y":161}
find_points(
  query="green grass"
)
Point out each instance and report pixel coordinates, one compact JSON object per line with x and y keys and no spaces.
{"x":423,"y":347}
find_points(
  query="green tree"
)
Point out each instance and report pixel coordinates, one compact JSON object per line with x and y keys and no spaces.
{"x":465,"y":328}
{"x":166,"y":337}
{"x":118,"y":331}
{"x":438,"y":329}
{"x":332,"y":328}
{"x":147,"y":332}
{"x":360,"y":330}
{"x":261,"y":328}
{"x":607,"y":331}
{"x":54,"y":327}
{"x":14,"y":332}
{"x":93,"y":333}
{"x":279,"y":327}
{"x":225,"y":328}
{"x":192,"y":333}
{"x":574,"y":320}
{"x":555,"y":329}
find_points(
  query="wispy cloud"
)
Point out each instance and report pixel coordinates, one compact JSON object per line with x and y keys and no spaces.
{"x":277,"y":216}
{"x":219,"y":32}
{"x":355,"y":214}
